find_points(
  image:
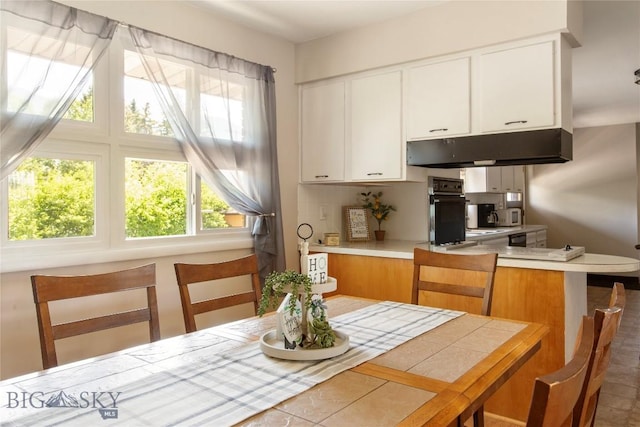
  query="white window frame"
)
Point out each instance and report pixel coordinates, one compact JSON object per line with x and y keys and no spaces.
{"x":108,"y":144}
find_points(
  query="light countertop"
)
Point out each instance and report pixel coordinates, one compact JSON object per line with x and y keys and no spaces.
{"x":403,"y":249}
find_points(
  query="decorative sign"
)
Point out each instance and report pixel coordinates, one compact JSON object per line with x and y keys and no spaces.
{"x":317,"y":267}
{"x":356,"y":223}
{"x":289,"y":325}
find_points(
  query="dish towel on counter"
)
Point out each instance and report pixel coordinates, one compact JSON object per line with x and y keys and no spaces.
{"x":237,"y":383}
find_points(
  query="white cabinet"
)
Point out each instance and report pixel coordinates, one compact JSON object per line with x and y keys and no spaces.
{"x":517,"y":89}
{"x":482,"y":180}
{"x":376,"y":127}
{"x":541,"y":239}
{"x":438,"y":99}
{"x":323,"y":132}
{"x":354,"y":128}
{"x":512,"y":178}
{"x":531,"y":239}
{"x":495,"y":179}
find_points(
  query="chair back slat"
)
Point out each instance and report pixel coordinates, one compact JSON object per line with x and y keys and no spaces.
{"x":55,"y":288}
{"x":187,"y":274}
{"x":555,"y":394}
{"x":80,"y":327}
{"x":439,"y":272}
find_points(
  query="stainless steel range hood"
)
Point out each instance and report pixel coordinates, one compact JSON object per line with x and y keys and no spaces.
{"x":514,"y":148}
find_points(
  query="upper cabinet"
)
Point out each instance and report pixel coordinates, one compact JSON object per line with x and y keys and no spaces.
{"x":495,"y":179}
{"x":354,"y":128}
{"x":517,"y":88}
{"x":323,"y":132}
{"x":512,"y":178}
{"x":376,"y":127}
{"x":439,"y":99}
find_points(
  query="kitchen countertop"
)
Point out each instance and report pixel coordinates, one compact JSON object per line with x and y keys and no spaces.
{"x":403,"y":249}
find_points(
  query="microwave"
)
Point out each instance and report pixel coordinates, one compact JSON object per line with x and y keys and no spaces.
{"x":509,"y":217}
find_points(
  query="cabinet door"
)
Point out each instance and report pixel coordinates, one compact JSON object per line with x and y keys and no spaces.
{"x":518,"y":178}
{"x":376,"y":127}
{"x":438,"y":98}
{"x":506,"y":178}
{"x":323,"y":132}
{"x":517,"y":88}
{"x":482,"y":180}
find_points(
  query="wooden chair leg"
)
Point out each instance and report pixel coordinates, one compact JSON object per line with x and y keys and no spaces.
{"x":478,"y":417}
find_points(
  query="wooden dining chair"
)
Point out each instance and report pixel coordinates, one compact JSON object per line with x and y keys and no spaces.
{"x":606,"y":324}
{"x":196,"y":273}
{"x":55,"y":288}
{"x":555,"y":394}
{"x":463,"y":275}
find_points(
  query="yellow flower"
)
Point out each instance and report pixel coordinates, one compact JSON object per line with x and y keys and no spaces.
{"x":379,"y":210}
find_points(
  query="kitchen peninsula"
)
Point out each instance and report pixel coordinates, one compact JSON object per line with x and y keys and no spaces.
{"x":548,"y":292}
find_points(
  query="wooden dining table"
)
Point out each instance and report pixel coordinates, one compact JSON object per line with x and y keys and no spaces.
{"x":219,"y":376}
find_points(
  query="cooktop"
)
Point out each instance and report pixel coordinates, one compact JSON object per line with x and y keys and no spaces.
{"x":546,"y":254}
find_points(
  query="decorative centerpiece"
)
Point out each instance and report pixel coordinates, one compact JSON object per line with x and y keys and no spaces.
{"x":379,"y":210}
{"x":303,"y":331}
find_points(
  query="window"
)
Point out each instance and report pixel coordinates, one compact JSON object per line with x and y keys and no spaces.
{"x":122,"y":183}
{"x":51,"y":198}
{"x":220,"y":117}
{"x":215,"y":213}
{"x":82,"y":107}
{"x":142,"y":112}
{"x":25,"y":68}
{"x":155,"y":198}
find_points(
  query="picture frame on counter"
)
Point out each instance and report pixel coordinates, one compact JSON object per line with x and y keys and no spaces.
{"x":356,"y":224}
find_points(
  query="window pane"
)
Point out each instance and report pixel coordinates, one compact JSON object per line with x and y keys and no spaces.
{"x":82,"y":107}
{"x":23,"y":73}
{"x":221,"y":109}
{"x":142,"y":112}
{"x":155,"y":198}
{"x":216,"y":213}
{"x":51,"y":198}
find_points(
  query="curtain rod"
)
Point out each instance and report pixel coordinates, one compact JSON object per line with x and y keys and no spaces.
{"x":124,"y":24}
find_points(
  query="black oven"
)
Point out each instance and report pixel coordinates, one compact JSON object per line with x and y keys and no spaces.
{"x":447,"y":211}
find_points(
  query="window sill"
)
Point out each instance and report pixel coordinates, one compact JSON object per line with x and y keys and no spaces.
{"x":15,"y":261}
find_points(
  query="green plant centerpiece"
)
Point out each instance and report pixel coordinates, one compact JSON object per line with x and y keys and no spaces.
{"x":316,"y":330}
{"x":380,"y":211}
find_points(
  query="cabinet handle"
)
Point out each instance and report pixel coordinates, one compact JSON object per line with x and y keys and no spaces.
{"x":322,"y":176}
{"x":516,"y":122}
{"x":374,"y":174}
{"x":439,"y":130}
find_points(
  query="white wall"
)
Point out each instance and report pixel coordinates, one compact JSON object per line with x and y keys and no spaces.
{"x":449,"y":27}
{"x":20,"y":349}
{"x":591,"y":201}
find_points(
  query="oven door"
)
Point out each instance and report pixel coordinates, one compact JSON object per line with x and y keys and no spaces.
{"x":447,"y":219}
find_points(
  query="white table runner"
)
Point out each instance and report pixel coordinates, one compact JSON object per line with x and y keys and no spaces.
{"x":227,"y":387}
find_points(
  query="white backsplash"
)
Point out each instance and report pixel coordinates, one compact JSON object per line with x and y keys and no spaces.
{"x":408,"y":222}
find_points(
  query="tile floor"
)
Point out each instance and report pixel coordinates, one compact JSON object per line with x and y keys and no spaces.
{"x":619,"y":404}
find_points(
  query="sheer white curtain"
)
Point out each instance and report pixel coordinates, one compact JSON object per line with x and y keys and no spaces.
{"x":228,"y":133}
{"x":47,"y":55}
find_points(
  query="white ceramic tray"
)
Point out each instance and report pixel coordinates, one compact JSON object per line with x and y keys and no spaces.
{"x":272,"y":346}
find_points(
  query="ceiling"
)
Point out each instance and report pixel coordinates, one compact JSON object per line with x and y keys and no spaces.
{"x":603,"y":67}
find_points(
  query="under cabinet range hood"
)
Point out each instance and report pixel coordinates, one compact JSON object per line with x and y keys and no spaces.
{"x":502,"y":149}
